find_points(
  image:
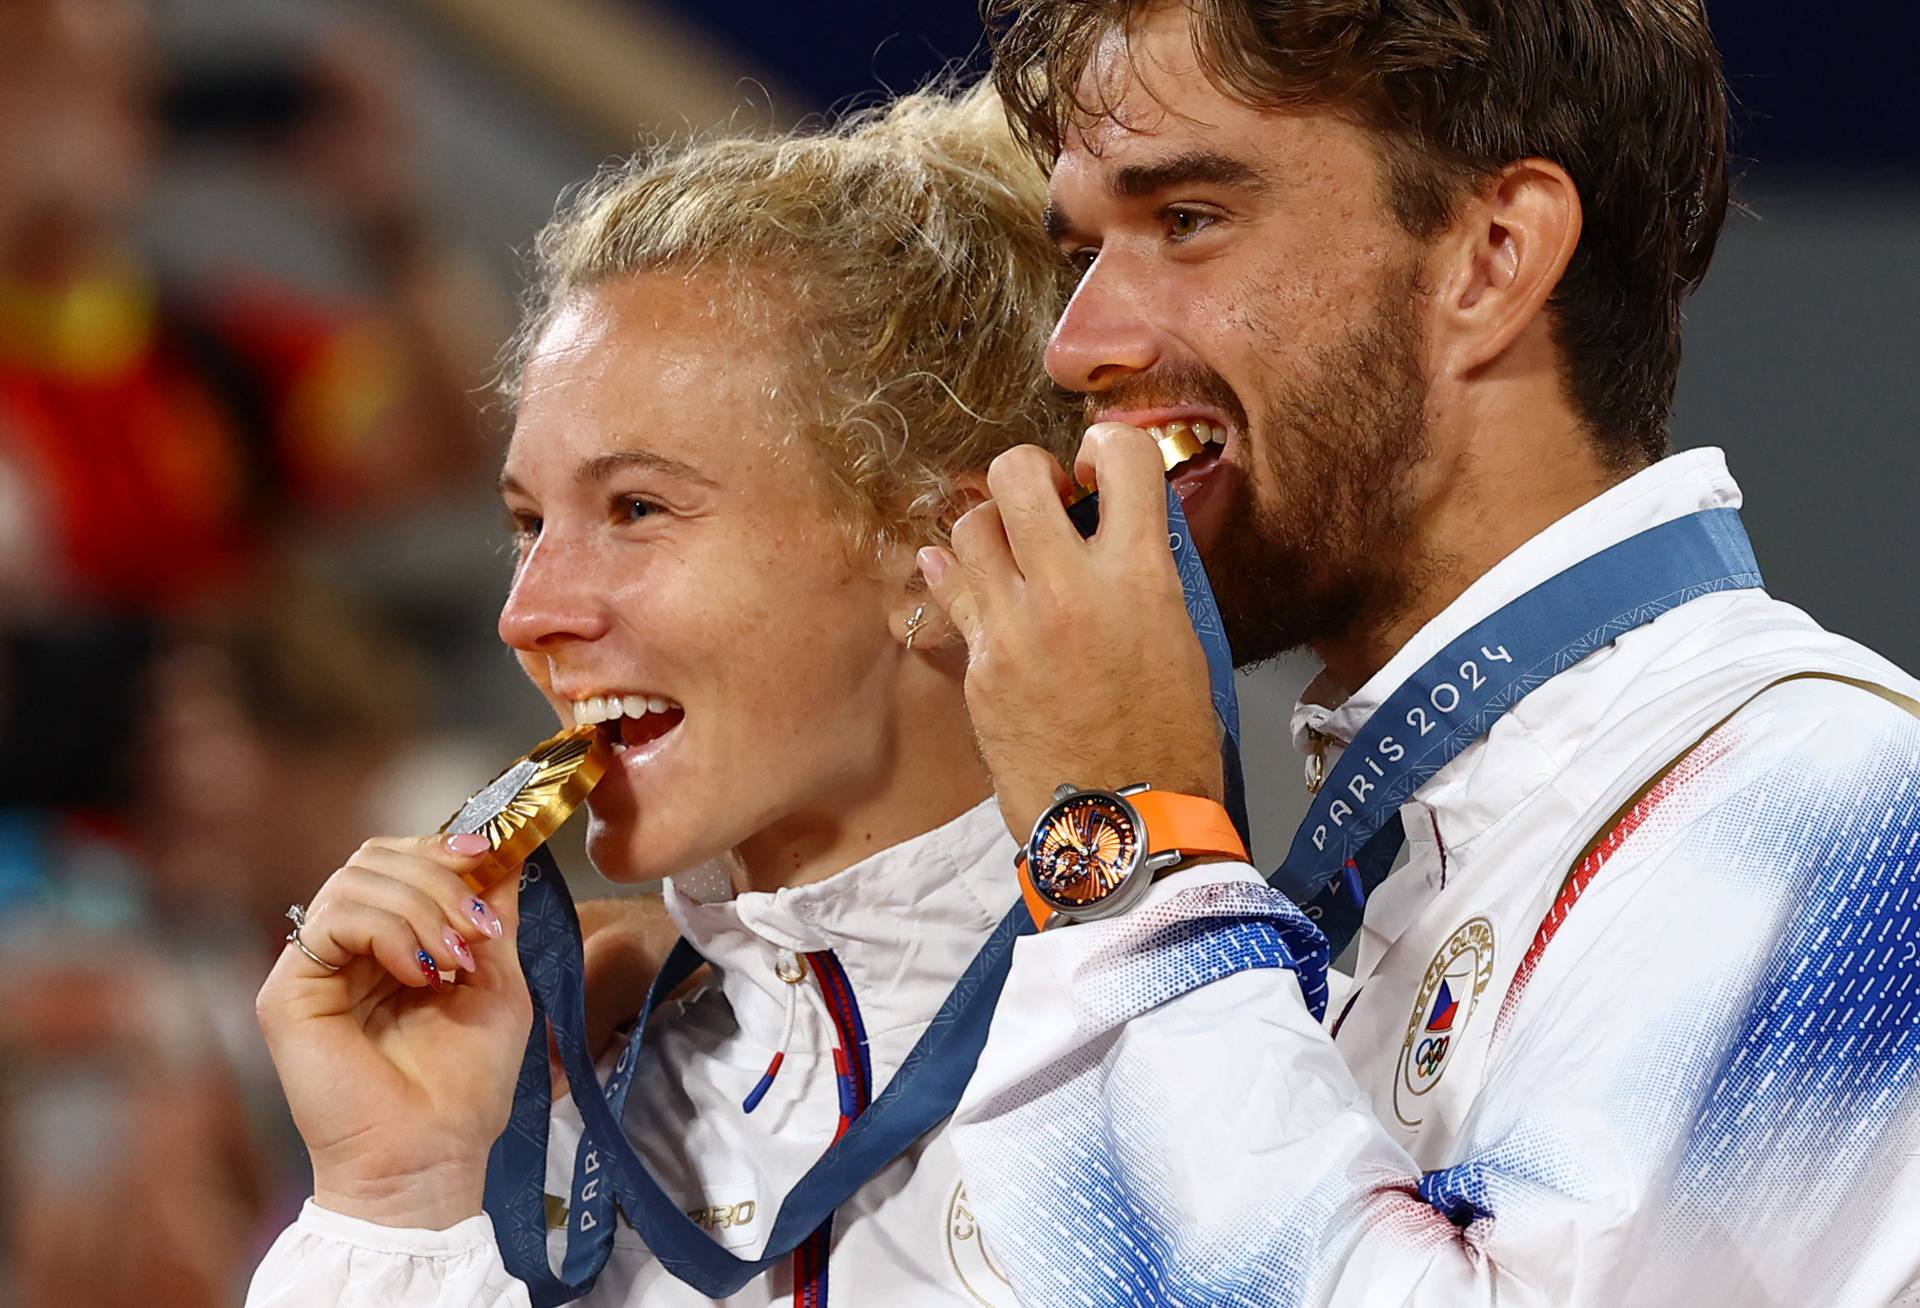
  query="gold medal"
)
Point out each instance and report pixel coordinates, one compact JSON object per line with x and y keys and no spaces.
{"x":522,"y":807}
{"x":1178,"y":443}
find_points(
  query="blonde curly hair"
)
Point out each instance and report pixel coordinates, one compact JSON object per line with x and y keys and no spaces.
{"x":906,"y":240}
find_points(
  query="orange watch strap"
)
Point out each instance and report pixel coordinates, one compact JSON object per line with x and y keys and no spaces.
{"x":1187,"y":823}
{"x":1039,"y":909}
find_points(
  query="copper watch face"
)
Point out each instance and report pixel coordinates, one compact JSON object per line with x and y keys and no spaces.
{"x":1083,"y":851}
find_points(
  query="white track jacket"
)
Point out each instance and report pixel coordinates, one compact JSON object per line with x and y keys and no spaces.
{"x":1689,"y":1078}
{"x":903,"y":925}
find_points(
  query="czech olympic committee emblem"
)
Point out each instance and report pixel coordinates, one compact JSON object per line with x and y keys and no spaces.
{"x":967,"y":1251}
{"x":1452,"y":987}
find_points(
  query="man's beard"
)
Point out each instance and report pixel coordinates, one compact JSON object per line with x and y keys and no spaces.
{"x":1334,"y":447}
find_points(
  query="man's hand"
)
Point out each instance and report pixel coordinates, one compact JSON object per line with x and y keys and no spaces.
{"x":1083,"y":666}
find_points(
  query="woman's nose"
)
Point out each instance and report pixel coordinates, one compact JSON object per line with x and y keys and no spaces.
{"x":556,"y":596}
{"x":1105,"y":335}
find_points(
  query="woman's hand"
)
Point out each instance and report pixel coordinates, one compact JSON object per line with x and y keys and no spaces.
{"x":400,"y":1083}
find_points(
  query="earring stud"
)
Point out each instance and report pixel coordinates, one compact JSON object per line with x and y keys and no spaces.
{"x":915,"y":623}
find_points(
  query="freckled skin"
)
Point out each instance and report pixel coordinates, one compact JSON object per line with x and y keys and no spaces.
{"x":811,"y":737}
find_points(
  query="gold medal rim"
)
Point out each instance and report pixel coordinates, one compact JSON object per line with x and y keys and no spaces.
{"x":516,"y":832}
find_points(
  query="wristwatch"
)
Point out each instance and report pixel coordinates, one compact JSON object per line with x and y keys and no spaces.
{"x":1094,"y":852}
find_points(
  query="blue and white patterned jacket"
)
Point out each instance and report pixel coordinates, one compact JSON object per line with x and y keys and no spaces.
{"x":1677,"y":1068}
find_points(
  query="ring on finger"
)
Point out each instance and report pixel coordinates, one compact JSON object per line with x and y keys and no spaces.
{"x":297,"y":913}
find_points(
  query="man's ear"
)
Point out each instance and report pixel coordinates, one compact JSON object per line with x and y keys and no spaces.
{"x":1502,"y":258}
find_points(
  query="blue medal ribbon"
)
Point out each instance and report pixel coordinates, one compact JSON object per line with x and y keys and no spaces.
{"x":1343,"y":851}
{"x":1204,"y":613}
{"x":609,"y":1172}
{"x":1352,"y":833}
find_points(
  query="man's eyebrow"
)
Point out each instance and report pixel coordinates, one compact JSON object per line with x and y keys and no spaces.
{"x":1143,"y":181}
{"x":604,"y":466}
{"x":1139,"y":181}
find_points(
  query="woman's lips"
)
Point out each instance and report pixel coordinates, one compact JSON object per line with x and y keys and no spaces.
{"x":637,"y":742}
{"x":637,"y":733}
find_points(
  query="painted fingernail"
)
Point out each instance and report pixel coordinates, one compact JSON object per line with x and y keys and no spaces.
{"x":469,"y":843}
{"x":458,"y":948}
{"x":485,"y":918}
{"x":431,"y":968}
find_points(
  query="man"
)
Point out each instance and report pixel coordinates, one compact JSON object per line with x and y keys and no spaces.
{"x":1637,"y":1018}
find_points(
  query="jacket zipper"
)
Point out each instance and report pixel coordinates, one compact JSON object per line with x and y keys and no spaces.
{"x":853,"y":1073}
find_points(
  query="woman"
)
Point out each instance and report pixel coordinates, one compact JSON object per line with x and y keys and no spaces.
{"x":760,"y":375}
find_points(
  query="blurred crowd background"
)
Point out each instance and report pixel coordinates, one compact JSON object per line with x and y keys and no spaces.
{"x":257,"y":259}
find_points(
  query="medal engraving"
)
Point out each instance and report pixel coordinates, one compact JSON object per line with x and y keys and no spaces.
{"x":492,"y":801}
{"x":519,"y":809}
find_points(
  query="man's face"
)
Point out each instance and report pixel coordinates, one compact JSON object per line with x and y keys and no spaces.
{"x":1240,"y":268}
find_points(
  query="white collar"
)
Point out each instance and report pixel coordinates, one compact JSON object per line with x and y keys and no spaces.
{"x":903,"y":923}
{"x":1672,"y":488}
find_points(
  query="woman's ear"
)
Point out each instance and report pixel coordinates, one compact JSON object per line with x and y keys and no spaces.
{"x":969,"y":491}
{"x":919,"y":623}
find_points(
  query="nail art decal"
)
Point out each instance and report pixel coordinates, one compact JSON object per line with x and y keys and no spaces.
{"x":485,"y":918}
{"x":431,"y":968}
{"x":458,"y":948}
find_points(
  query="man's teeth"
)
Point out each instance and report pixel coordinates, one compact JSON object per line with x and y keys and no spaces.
{"x":607,"y":708}
{"x":1207,"y":432}
{"x":1180,"y":441}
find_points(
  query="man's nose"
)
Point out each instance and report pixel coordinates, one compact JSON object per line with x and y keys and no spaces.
{"x":556,"y":596}
{"x":1106,"y":334}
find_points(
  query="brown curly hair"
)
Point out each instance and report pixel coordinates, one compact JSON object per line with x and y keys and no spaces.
{"x":1626,"y":95}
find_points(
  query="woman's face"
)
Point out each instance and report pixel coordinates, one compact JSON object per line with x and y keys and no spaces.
{"x":676,"y":544}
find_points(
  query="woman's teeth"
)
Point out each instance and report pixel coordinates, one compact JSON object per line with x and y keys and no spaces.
{"x":610,"y":708}
{"x":1180,"y":441}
